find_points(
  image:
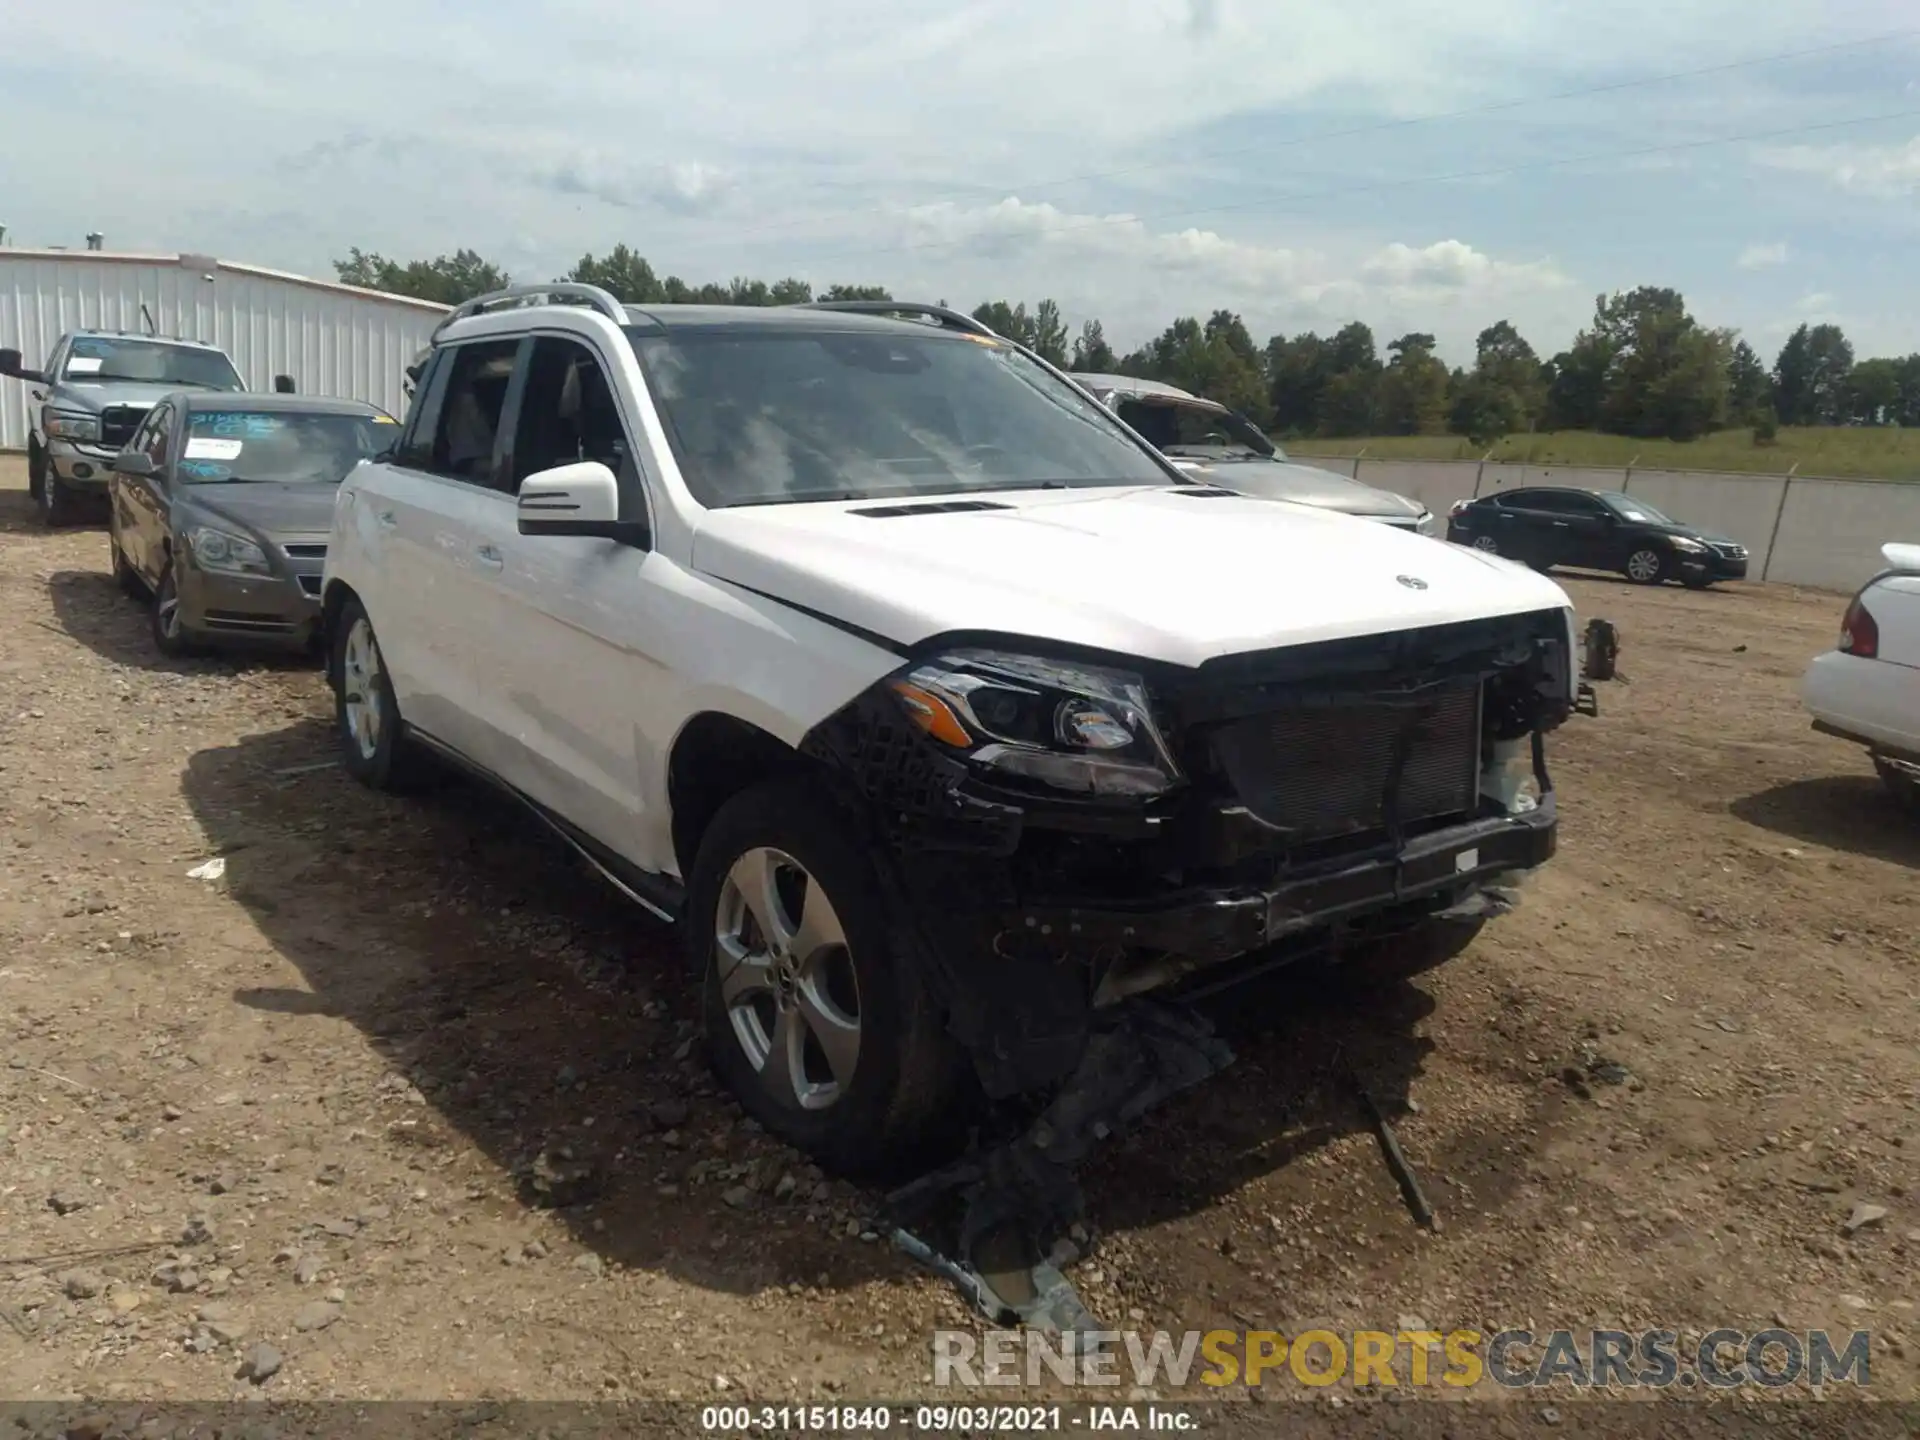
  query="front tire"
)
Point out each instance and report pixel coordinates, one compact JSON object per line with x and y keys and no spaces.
{"x":170,"y":636}
{"x":373,"y":742}
{"x":36,"y":469}
{"x":816,"y":1017}
{"x":1646,"y":566}
{"x":1698,"y":582}
{"x":57,"y":500}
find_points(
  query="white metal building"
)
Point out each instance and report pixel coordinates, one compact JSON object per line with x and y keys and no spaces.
{"x":333,"y":339}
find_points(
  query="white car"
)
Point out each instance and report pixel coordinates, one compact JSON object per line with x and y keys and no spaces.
{"x":1867,"y":689}
{"x":937,"y":707}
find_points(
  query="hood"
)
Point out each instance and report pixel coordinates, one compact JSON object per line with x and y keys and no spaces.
{"x":266,"y":508}
{"x":1155,"y":573}
{"x":95,"y":396}
{"x":1303,"y":484}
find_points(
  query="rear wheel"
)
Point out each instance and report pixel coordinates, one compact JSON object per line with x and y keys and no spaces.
{"x":373,"y":741}
{"x":1646,"y":566}
{"x":815,"y":1018}
{"x":1486,"y":543}
{"x":124,"y":575}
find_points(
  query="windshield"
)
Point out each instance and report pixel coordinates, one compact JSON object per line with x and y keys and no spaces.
{"x":1630,"y":507}
{"x":1176,"y":427}
{"x":154,"y":362}
{"x":757,"y":417}
{"x":230,"y":447}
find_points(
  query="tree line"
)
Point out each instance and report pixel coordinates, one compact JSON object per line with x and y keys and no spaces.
{"x":1643,"y":366}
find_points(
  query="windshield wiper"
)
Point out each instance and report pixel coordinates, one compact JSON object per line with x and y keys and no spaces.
{"x":107,"y":378}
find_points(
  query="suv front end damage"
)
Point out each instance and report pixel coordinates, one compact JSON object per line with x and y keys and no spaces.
{"x":1058,"y":834}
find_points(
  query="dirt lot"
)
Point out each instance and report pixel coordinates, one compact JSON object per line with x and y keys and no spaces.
{"x":305,"y":1094}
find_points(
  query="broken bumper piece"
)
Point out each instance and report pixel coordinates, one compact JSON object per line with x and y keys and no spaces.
{"x":1217,"y":925}
{"x":1003,"y":1225}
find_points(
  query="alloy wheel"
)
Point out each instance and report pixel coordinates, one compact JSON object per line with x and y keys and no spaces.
{"x":167,"y":610}
{"x":360,"y":688}
{"x":1643,"y":565}
{"x":1486,"y":543}
{"x":787,"y":980}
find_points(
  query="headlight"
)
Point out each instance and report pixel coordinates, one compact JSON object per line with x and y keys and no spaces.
{"x":1073,"y":727}
{"x":231,"y":554}
{"x":67,"y":425}
{"x":1686,"y":546}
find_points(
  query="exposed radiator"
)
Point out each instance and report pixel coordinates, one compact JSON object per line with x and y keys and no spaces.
{"x":1322,"y":771}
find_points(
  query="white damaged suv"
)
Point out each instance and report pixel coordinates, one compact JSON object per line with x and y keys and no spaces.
{"x":938,"y":707}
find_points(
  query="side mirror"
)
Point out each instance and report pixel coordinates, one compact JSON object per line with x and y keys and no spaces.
{"x":10,"y":365}
{"x":578,"y":499}
{"x":136,"y":463}
{"x":283,"y":384}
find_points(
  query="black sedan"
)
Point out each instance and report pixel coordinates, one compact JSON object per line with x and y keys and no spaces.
{"x":1595,"y":530}
{"x":219,"y":508}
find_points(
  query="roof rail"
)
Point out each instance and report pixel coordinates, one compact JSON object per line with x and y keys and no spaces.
{"x":948,"y":319}
{"x":553,"y":292}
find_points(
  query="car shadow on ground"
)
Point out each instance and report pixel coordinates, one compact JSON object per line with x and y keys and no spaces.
{"x":534,"y":1008}
{"x":20,"y":515}
{"x":91,"y":607}
{"x":1621,"y":582}
{"x":1854,"y":813}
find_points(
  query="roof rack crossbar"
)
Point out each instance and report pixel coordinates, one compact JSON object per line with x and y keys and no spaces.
{"x":552,"y":292}
{"x":948,"y":319}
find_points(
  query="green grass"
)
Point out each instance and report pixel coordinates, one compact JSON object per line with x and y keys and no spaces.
{"x":1886,"y":453}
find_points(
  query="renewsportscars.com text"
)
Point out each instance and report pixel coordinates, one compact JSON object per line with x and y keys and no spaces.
{"x":1454,"y":1359}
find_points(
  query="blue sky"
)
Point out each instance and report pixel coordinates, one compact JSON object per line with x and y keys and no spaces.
{"x":1134,"y":159}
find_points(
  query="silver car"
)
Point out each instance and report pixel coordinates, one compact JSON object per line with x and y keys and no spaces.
{"x":1206,"y":438}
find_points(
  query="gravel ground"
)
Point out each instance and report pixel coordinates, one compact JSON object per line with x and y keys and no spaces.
{"x":291,"y":1119}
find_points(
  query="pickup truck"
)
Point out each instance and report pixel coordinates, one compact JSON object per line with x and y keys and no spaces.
{"x":89,"y":398}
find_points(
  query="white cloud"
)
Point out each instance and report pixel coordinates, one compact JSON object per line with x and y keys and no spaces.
{"x":1135,"y":277}
{"x":766,"y":138}
{"x":1203,"y":17}
{"x":1880,"y":171}
{"x":684,"y":187}
{"x":1760,"y":256}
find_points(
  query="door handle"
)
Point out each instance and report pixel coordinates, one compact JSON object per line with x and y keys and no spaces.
{"x":1559,"y":524}
{"x":490,"y":556}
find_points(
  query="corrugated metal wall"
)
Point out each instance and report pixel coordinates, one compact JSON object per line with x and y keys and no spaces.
{"x":332,"y":340}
